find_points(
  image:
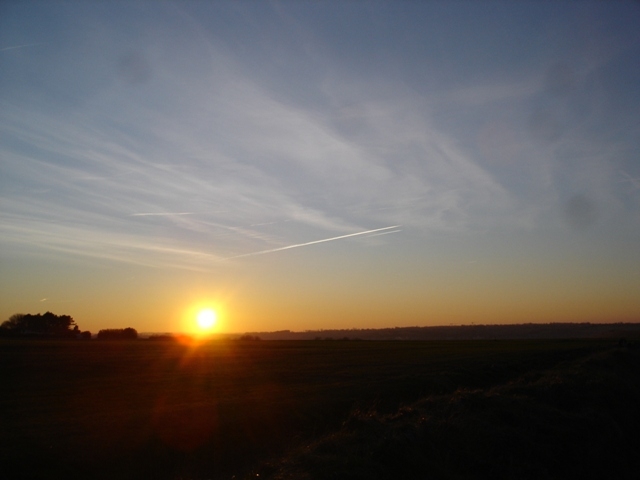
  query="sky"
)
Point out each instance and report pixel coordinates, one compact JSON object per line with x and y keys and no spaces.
{"x":311,"y":165}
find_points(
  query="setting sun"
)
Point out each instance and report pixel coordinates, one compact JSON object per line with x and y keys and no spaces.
{"x":206,"y":319}
{"x":202,"y":319}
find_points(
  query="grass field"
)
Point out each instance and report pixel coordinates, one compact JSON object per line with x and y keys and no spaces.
{"x":298,"y":409}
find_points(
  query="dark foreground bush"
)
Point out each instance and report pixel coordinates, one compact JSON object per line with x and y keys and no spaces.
{"x":578,"y":420}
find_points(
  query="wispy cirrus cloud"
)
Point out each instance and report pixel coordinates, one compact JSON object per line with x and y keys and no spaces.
{"x":283,"y":164}
{"x":207,"y":156}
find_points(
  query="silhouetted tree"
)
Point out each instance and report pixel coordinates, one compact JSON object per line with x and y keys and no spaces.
{"x":47,"y":324}
{"x":130,"y":333}
{"x":118,"y":334}
{"x":13,"y":324}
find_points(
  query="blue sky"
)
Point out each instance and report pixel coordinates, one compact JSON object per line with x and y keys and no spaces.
{"x":472,"y":162}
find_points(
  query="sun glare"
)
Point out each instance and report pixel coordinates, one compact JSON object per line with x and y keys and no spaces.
{"x":203,"y":320}
{"x":206,"y":319}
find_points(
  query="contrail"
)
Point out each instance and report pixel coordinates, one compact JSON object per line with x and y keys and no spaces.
{"x":20,"y":46}
{"x":162,"y":214}
{"x":385,"y":233}
{"x":315,"y":241}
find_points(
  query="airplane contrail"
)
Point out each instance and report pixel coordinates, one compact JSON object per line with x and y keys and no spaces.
{"x":20,"y":46}
{"x":385,"y":233}
{"x":262,"y":252}
{"x":160,"y":214}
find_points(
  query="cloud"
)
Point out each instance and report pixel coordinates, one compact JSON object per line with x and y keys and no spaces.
{"x":478,"y":95}
{"x":206,"y":159}
{"x":239,"y":158}
{"x":635,"y":182}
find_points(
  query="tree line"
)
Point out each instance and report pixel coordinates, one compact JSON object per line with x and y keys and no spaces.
{"x":50,"y":325}
{"x":118,"y":334}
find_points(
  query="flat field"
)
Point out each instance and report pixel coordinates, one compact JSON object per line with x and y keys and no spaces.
{"x":145,"y":409}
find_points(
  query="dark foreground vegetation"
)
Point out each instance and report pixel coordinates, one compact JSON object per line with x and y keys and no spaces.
{"x":577,"y":420}
{"x":43,"y":325}
{"x":49,"y":326}
{"x":320,"y":410}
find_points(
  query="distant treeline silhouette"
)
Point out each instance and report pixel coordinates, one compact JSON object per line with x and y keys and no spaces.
{"x":118,"y":334}
{"x":42,"y":325}
{"x":50,"y":325}
{"x":465,"y":332}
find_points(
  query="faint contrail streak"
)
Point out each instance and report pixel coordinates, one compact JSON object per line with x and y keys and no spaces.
{"x":315,"y":241}
{"x":385,"y":233}
{"x":20,"y":46}
{"x":162,"y":214}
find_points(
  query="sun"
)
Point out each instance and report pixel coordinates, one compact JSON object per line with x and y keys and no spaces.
{"x":203,"y":320}
{"x":206,"y":319}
